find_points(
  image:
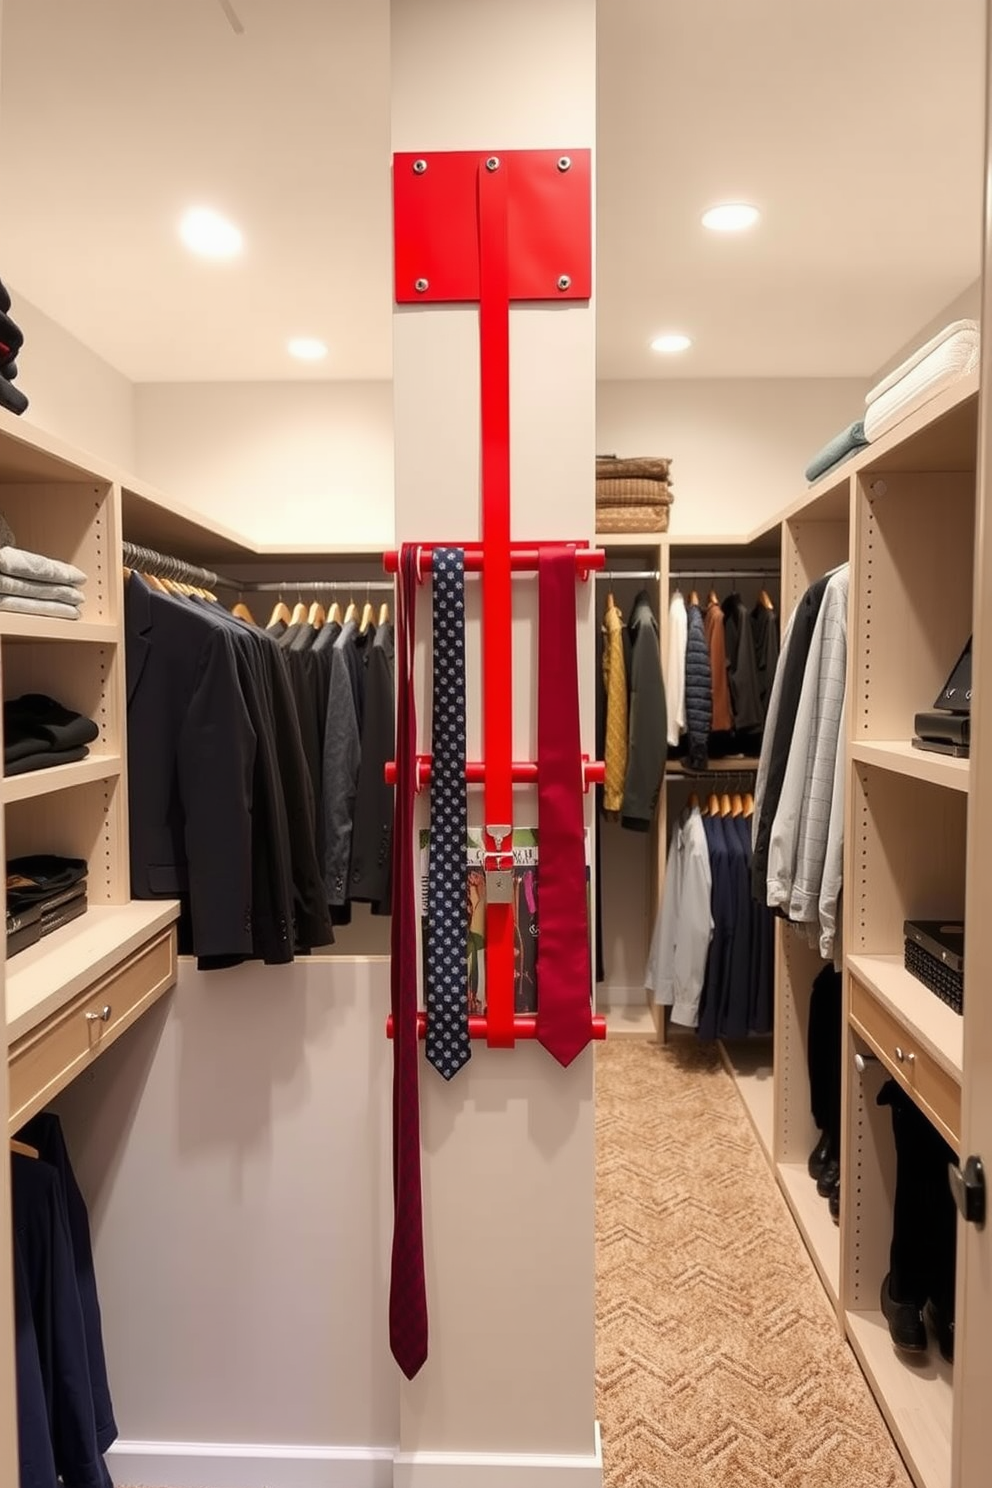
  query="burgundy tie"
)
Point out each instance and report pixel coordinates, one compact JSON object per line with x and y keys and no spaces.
{"x":408,"y":1287}
{"x":564,"y":987}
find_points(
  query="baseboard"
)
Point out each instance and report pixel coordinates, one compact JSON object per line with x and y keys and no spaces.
{"x":498,"y":1470}
{"x":220,"y":1465}
{"x":224,"y":1465}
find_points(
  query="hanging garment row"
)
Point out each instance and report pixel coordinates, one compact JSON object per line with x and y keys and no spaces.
{"x":65,"y":1417}
{"x":799,"y":797}
{"x":721,"y":660}
{"x":256,"y":765}
{"x":711,"y":958}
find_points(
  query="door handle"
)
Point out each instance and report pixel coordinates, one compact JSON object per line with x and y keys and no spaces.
{"x":968,"y":1188}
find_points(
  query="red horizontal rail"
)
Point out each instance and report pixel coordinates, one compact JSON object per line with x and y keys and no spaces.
{"x":524,"y":772}
{"x":524,"y":1026}
{"x":522,"y":558}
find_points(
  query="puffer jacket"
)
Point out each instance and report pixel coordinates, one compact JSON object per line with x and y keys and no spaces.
{"x":698,"y":690}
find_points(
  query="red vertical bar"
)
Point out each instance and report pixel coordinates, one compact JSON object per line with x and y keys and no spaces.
{"x":497,"y":599}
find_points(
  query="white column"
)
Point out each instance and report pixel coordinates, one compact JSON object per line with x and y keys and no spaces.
{"x":507,"y":1395}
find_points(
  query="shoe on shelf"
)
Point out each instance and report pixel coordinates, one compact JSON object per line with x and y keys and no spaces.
{"x":820,"y":1156}
{"x":829,"y":1177}
{"x":905,"y":1319}
{"x":942,"y":1327}
{"x":834,"y":1202}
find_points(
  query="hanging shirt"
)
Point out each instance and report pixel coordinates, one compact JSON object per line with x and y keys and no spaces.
{"x":675,"y":677}
{"x":680,"y":941}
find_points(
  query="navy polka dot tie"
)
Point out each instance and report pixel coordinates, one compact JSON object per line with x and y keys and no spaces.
{"x":448,"y":1046}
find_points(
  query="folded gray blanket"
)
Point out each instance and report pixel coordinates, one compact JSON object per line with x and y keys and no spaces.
{"x":50,"y":607}
{"x":843,"y":444}
{"x":29,"y":589}
{"x":20,"y":564}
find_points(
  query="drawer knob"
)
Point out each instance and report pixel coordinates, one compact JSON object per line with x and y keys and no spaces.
{"x":103,"y":1016}
{"x":904,"y":1057}
{"x":862,"y":1061}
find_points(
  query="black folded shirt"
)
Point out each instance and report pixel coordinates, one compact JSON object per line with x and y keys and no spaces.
{"x":34,"y":724}
{"x":40,"y":876}
{"x":56,"y":918}
{"x":45,"y":760}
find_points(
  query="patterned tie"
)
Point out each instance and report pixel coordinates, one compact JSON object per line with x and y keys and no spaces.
{"x":407,"y":1287}
{"x":448,"y":1046}
{"x":564,"y":982}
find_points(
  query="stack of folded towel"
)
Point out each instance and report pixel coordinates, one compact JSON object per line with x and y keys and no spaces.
{"x":32,"y":584}
{"x":944,"y":360}
{"x":44,"y":892}
{"x":632,"y":495}
{"x":39,"y":733}
{"x":11,"y":341}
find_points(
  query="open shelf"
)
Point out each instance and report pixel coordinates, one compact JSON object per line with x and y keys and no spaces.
{"x":742,"y":765}
{"x":937,"y":1027}
{"x":750,"y":1065}
{"x":59,"y":777}
{"x":900,"y":756}
{"x":16,"y":627}
{"x":43,"y":978}
{"x":917,"y":1400}
{"x":812,"y":1215}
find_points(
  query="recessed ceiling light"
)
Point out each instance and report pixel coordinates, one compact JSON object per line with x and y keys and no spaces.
{"x":730,"y":217}
{"x":307,"y":348}
{"x":671,"y":343}
{"x":206,"y":232}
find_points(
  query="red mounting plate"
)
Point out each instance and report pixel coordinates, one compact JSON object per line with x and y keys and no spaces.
{"x":436,"y":224}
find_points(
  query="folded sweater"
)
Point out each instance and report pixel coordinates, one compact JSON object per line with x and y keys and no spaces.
{"x":20,"y":564}
{"x":34,"y":589}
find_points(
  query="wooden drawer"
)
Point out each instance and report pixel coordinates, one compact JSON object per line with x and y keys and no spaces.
{"x":45,"y":1060}
{"x":935,"y":1091}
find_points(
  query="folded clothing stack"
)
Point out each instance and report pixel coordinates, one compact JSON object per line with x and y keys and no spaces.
{"x":632,"y":495}
{"x":944,"y":360}
{"x":32,"y":584}
{"x":11,"y":341}
{"x":44,"y":892}
{"x":837,"y":450}
{"x":38,"y":733}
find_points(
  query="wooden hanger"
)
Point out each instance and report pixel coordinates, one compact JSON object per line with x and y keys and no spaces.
{"x":242,"y":612}
{"x":280,"y":612}
{"x":317,"y":616}
{"x":154,"y":583}
{"x":299,"y":615}
{"x":334,"y":615}
{"x":736,"y":804}
{"x":712,"y":598}
{"x":368,"y":615}
{"x":611,"y":603}
{"x":351,"y":613}
{"x":693,"y":801}
{"x":725,"y":807}
{"x":763,"y":599}
{"x":748,"y":804}
{"x":383,"y":614}
{"x":713,"y":805}
{"x":693,"y":597}
{"x":23,"y":1148}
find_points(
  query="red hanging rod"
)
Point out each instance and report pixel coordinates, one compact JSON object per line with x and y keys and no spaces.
{"x":523,"y":558}
{"x":524,"y":772}
{"x":524,"y":1026}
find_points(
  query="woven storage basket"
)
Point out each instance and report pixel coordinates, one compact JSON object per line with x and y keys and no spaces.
{"x":633,"y":493}
{"x":649,"y":517}
{"x":642,"y":467}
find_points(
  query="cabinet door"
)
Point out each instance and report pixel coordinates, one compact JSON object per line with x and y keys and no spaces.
{"x":973,"y":1346}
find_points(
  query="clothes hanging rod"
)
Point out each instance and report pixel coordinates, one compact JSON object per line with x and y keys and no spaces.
{"x":628,"y":573}
{"x":725,"y":573}
{"x":311,"y":586}
{"x":164,"y":566}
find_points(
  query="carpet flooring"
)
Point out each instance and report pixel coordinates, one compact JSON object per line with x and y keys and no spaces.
{"x":719,"y":1363}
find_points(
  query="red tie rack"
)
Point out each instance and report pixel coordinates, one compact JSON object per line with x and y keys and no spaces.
{"x":490,"y":229}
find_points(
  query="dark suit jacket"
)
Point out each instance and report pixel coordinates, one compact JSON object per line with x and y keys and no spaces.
{"x":648,"y":722}
{"x":372,"y":835}
{"x":191,"y":759}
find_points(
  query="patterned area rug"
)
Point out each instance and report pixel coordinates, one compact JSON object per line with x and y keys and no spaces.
{"x":719,"y":1363}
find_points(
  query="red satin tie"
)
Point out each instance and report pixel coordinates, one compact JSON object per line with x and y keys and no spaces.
{"x":564,"y":987}
{"x":408,"y":1287}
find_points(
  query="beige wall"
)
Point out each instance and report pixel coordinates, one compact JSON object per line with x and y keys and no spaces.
{"x":283,"y":462}
{"x":740,"y":447}
{"x":74,"y":393}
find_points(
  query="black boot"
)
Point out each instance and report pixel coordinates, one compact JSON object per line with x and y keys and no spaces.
{"x":835,"y":1203}
{"x":820,"y":1156}
{"x":905,"y":1319}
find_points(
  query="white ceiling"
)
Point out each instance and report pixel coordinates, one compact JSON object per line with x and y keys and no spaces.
{"x":856,"y":126}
